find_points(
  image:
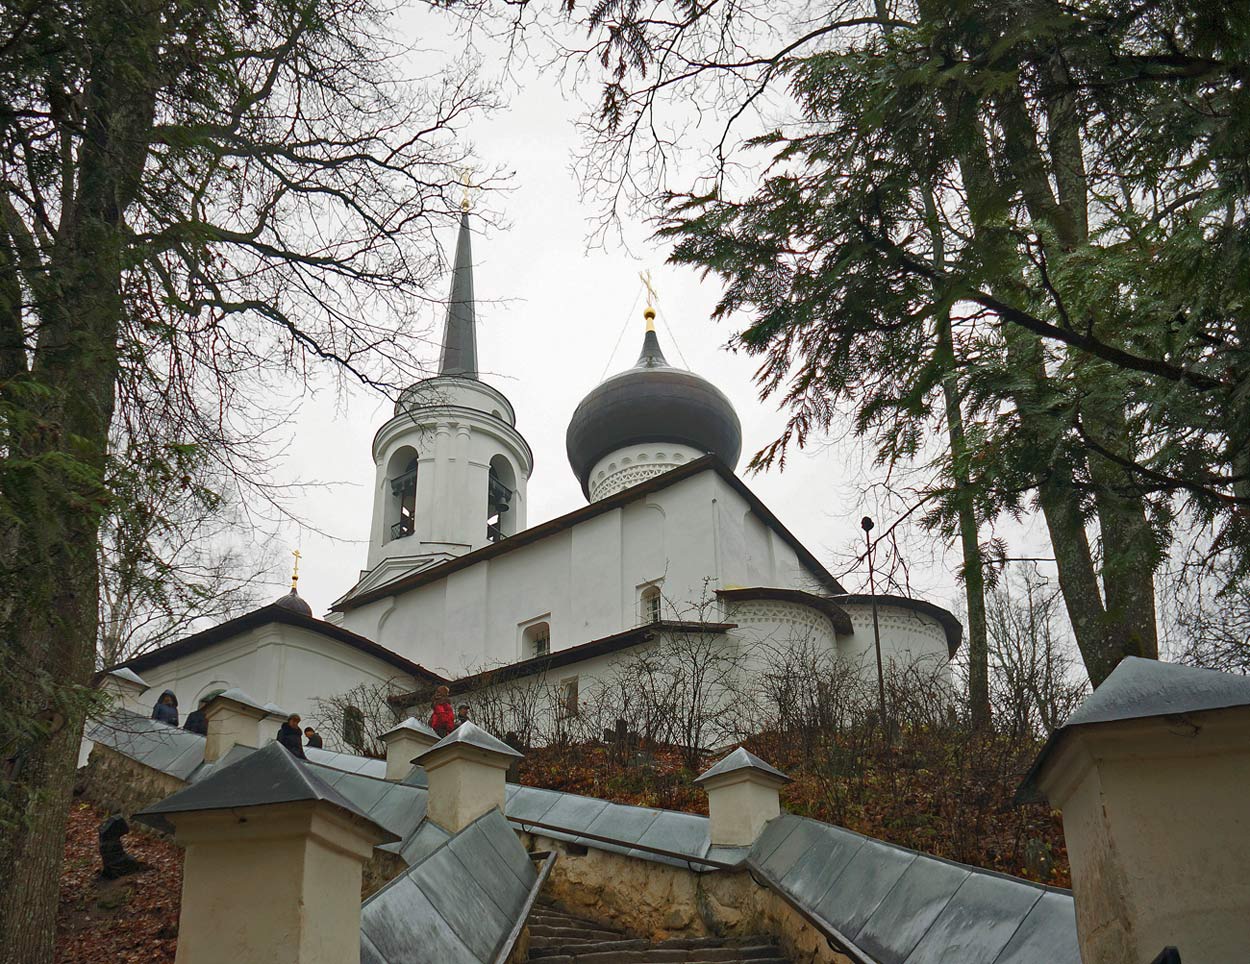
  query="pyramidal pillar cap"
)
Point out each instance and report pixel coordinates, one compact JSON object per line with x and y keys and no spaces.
{"x":743,"y":795}
{"x":465,"y":773}
{"x":469,"y":740}
{"x":741,"y":765}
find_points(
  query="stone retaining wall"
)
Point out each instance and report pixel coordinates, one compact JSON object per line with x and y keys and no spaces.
{"x":658,"y":901}
{"x":118,"y":784}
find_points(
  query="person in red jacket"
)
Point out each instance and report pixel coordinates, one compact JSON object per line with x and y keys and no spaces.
{"x":443,"y":719}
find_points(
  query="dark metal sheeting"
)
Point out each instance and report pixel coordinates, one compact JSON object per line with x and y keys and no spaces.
{"x":901,"y":907}
{"x":457,"y":905}
{"x":265,"y":777}
{"x":652,"y":403}
{"x":1139,"y":688}
{"x":159,"y":746}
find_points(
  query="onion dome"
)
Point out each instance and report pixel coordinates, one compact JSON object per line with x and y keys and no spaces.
{"x":651,"y":403}
{"x":295,"y":603}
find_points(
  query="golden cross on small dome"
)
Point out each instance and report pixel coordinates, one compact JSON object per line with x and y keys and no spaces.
{"x":295,"y":571}
{"x":649,"y":312}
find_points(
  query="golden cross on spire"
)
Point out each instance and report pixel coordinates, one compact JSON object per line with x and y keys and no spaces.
{"x":466,"y":184}
{"x":295,"y":571}
{"x":649,"y":312}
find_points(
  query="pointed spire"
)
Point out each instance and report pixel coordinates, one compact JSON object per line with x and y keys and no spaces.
{"x":460,"y":331}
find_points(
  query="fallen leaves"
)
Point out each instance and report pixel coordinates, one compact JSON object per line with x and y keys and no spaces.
{"x":126,"y":921}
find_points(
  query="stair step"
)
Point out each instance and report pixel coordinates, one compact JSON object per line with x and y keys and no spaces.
{"x":558,"y":933}
{"x":656,"y":955}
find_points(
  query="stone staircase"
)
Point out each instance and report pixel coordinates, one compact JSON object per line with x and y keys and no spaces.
{"x":557,"y":937}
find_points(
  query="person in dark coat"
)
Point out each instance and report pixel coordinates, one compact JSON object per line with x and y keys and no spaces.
{"x":166,"y":709}
{"x":313,"y":738}
{"x":443,"y":719}
{"x":196,"y":721}
{"x":462,"y":714}
{"x":289,"y":736}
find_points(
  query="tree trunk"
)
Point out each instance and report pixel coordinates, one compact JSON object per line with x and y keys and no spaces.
{"x":60,"y":412}
{"x":1058,"y":497}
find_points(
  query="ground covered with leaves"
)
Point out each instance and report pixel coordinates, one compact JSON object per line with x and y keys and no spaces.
{"x":132,"y":919}
{"x":944,"y":792}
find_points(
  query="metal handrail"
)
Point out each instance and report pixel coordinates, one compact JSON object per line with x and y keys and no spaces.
{"x":505,"y":950}
{"x":688,"y":858}
{"x":835,"y":938}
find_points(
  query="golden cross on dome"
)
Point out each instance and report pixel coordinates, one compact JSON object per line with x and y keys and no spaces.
{"x":295,"y":571}
{"x":649,"y":312}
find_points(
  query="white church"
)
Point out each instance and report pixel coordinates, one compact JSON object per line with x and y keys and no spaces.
{"x":457,"y":581}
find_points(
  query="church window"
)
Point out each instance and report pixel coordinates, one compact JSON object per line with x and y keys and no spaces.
{"x":537,"y":640}
{"x":500,"y":519}
{"x":568,"y":697}
{"x":354,"y":728}
{"x":651,"y":603}
{"x":401,"y":480}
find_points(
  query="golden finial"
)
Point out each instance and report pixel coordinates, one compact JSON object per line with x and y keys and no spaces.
{"x":648,"y":312}
{"x":295,"y":571}
{"x":466,"y":184}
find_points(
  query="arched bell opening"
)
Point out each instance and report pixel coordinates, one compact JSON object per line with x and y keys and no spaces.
{"x":401,"y":485}
{"x":501,"y":491}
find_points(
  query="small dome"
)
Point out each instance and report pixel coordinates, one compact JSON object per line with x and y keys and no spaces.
{"x":294,"y":602}
{"x":652,"y":402}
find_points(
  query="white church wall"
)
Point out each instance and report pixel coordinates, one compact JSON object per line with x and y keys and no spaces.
{"x":689,"y":538}
{"x":907,"y":637}
{"x":280,"y":664}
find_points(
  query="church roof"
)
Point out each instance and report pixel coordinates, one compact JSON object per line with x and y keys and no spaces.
{"x":651,"y":402}
{"x":459,"y":355}
{"x":950,"y":624}
{"x":837,"y":615}
{"x":263,"y":616}
{"x":567,"y":521}
{"x":294,"y":602}
{"x":563,"y":657}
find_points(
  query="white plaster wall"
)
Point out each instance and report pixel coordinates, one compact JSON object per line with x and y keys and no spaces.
{"x":636,"y":463}
{"x":690,"y":538}
{"x":460,"y":428}
{"x":907,"y":637}
{"x":279,"y":664}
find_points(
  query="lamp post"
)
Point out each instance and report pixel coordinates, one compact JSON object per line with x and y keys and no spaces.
{"x":866,"y":524}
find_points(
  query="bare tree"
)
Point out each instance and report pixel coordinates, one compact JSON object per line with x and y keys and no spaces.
{"x":198,"y":203}
{"x":354,"y":721}
{"x":1036,"y":682}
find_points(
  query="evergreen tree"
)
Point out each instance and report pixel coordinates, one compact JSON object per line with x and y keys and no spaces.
{"x":1024,"y":223}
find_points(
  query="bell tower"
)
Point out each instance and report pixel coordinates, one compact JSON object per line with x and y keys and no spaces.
{"x":451,"y":468}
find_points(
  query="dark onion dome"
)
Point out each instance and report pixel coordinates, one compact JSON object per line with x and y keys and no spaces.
{"x":652,"y":402}
{"x":294,"y":602}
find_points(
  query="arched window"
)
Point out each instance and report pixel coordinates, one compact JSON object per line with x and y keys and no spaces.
{"x":401,"y":480}
{"x":354,"y":728}
{"x":500,"y":520}
{"x":537,"y":640}
{"x":650,"y":604}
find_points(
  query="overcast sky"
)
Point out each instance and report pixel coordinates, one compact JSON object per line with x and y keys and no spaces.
{"x":549,"y":315}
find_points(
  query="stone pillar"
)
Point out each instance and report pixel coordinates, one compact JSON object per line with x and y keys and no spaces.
{"x":404,"y":743}
{"x":743,"y":794}
{"x":466,"y":776}
{"x":268,"y":883}
{"x":233,"y":717}
{"x":1155,"y":794}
